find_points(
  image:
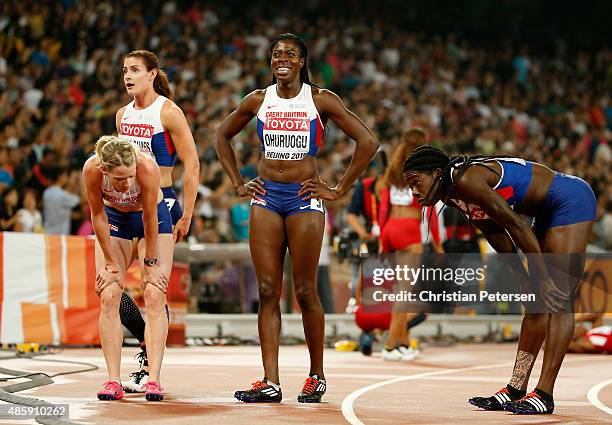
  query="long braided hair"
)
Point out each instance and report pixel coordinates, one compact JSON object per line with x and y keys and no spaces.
{"x":430,"y":158}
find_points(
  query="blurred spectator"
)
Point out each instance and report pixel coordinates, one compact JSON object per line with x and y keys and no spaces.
{"x":603,"y":226}
{"x":41,"y":171}
{"x":86,"y":226}
{"x":591,"y":335}
{"x":58,"y":203}
{"x":29,"y":218}
{"x":6,"y":175}
{"x":548,"y":100}
{"x":8,"y":210}
{"x":239,"y":215}
{"x":365,"y":203}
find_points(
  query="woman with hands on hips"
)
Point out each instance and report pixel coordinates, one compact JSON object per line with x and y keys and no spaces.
{"x":288,"y":198}
{"x":122,"y":188}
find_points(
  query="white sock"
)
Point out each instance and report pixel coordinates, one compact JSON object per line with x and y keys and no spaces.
{"x":273,"y":385}
{"x":317,"y":377}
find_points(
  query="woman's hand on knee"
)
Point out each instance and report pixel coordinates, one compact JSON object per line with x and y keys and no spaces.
{"x":108,"y":276}
{"x":154,"y":275}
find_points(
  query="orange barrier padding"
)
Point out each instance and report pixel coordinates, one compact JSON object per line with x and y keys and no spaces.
{"x":47,"y":291}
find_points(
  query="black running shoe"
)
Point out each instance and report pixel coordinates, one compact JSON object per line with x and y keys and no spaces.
{"x":531,"y":404}
{"x":138,"y":379}
{"x":495,"y":402}
{"x":314,"y":388}
{"x":261,"y":392}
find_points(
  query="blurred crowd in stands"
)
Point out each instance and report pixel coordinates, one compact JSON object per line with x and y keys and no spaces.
{"x":60,"y":87}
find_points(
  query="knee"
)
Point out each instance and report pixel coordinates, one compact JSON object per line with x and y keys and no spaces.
{"x":154,"y":298}
{"x":269,"y":291}
{"x":110,"y":299}
{"x":535,"y":320}
{"x":565,"y":321}
{"x":306,"y":295}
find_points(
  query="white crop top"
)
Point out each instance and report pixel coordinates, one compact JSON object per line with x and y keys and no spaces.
{"x":401,"y":196}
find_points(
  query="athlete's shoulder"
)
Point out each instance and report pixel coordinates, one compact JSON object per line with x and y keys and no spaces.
{"x":469,"y":182}
{"x":92,"y":161}
{"x":146,"y":162}
{"x":119,"y":115}
{"x":252,"y":101}
{"x":170,"y":109}
{"x":256,"y":95}
{"x":147,"y":172}
{"x":90,"y":168}
{"x":319,"y":92}
{"x":325,"y":99}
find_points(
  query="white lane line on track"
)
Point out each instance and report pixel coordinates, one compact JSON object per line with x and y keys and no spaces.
{"x":593,"y":396}
{"x":347,"y":403}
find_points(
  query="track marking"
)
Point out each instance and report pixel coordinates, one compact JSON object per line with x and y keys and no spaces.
{"x":347,"y":403}
{"x":593,"y":396}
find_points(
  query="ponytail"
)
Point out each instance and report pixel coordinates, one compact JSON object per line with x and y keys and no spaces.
{"x":161,"y":84}
{"x":411,"y":139}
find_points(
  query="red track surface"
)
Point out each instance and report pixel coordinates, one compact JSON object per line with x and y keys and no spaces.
{"x":200,"y":383}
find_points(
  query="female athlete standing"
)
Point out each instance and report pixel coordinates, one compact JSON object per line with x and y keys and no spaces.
{"x":404,"y":233}
{"x":288,"y":198}
{"x":157,"y":127}
{"x":492,"y":192}
{"x":122,"y":189}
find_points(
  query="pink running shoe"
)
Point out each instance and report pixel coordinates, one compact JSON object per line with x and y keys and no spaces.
{"x":111,"y":390}
{"x":153,"y":391}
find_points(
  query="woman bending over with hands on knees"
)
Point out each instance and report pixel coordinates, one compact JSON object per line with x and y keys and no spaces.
{"x":492,"y":193}
{"x":122,"y":188}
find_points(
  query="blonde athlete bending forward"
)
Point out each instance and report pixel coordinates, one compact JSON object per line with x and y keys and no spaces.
{"x":122,"y":188}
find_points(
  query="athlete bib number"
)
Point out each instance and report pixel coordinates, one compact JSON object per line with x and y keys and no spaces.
{"x":316,"y":204}
{"x":286,"y":135}
{"x":170,"y":203}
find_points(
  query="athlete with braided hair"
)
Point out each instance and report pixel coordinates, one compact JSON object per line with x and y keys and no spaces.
{"x":492,"y":192}
{"x":402,"y":234}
